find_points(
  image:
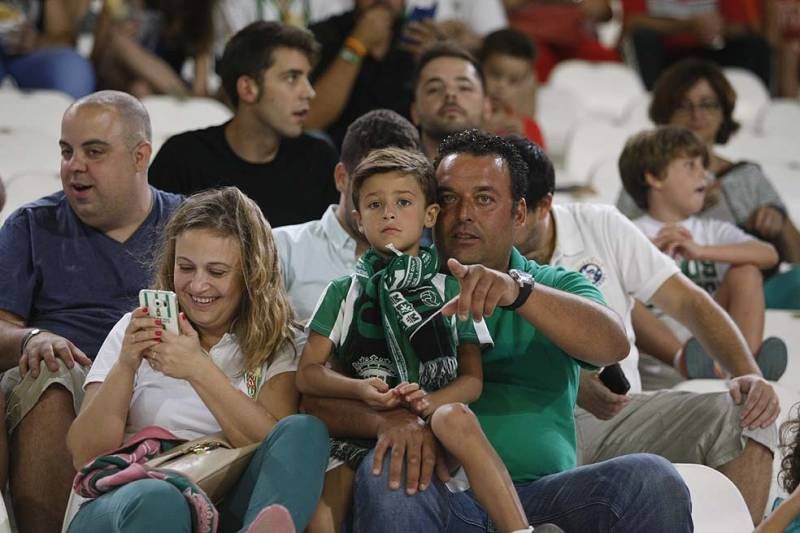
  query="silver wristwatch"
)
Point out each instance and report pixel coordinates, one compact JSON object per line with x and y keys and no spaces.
{"x":526,"y":283}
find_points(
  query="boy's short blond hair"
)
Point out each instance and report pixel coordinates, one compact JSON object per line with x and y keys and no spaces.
{"x":398,"y":160}
{"x":650,"y":152}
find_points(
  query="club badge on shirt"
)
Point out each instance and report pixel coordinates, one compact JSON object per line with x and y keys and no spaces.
{"x":592,"y":270}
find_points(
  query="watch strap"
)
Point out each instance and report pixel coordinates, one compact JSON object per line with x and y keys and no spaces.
{"x":525,"y":288}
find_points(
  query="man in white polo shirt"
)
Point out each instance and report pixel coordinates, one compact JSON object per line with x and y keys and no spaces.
{"x":736,"y":437}
{"x":314,"y":253}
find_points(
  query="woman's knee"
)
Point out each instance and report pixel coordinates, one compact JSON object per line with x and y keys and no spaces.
{"x":306,"y":429}
{"x":153,"y":501}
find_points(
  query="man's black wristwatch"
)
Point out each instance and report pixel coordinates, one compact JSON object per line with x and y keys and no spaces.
{"x":526,"y":283}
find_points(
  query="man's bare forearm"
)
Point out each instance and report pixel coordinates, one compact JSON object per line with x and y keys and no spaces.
{"x":721,"y":338}
{"x":653,"y":335}
{"x":708,"y":322}
{"x":564,"y":318}
{"x":333,"y":89}
{"x":12,"y":331}
{"x":349,"y":418}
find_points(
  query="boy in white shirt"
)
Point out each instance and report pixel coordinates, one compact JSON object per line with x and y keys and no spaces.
{"x":664,"y":170}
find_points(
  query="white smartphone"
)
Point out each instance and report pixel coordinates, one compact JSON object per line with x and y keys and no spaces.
{"x":162,"y":305}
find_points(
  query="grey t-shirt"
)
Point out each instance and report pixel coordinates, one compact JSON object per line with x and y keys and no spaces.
{"x":744,"y":188}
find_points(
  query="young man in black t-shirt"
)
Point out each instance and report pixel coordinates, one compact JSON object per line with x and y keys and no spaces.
{"x":262,"y":149}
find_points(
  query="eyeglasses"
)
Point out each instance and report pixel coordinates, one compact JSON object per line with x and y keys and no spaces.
{"x":706,"y":106}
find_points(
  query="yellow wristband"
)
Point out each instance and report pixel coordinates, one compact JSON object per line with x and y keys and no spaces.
{"x":355,"y":44}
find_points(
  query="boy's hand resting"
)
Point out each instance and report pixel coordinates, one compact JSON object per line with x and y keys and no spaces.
{"x":375,"y":393}
{"x":676,"y":241}
{"x":415,"y":398}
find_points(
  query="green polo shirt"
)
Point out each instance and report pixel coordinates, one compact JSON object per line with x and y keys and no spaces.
{"x":530,"y":385}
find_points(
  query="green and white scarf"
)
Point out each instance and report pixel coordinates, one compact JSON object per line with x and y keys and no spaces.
{"x":422,"y":346}
{"x":395,"y":314}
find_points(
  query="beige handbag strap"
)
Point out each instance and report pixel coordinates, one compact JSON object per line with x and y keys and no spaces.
{"x":200,"y":445}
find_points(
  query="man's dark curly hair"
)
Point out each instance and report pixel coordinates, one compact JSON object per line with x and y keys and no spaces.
{"x":789,"y":476}
{"x":541,"y":174}
{"x":475,"y":142}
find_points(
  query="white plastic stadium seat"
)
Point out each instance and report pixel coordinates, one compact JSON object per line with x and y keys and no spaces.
{"x":762,"y":149}
{"x":28,"y":150}
{"x":25,"y":188}
{"x":781,"y":117}
{"x":40,"y":109}
{"x":170,"y":115}
{"x":557,"y":112}
{"x":717,"y":505}
{"x":606,"y":182}
{"x":637,"y":116}
{"x":591,"y":144}
{"x":751,"y":96}
{"x":605,"y":89}
{"x":786,"y":179}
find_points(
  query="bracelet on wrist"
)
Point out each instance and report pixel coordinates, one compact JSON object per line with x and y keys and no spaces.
{"x":28,"y":336}
{"x":349,"y":56}
{"x":357,"y":46}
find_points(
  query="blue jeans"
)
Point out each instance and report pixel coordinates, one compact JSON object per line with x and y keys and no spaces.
{"x":288,"y":468}
{"x":60,"y":69}
{"x":639,"y":492}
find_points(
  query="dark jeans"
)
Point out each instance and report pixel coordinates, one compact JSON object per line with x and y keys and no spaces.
{"x":638,"y":492}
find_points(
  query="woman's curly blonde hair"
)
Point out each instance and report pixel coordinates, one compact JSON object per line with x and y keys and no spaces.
{"x":265,"y":320}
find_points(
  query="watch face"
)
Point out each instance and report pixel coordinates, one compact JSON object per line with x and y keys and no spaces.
{"x":519,"y":276}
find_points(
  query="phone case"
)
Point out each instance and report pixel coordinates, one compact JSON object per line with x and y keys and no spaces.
{"x":614,"y":378}
{"x":162,"y":305}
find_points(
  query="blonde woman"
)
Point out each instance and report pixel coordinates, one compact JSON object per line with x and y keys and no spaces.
{"x":231,"y":368}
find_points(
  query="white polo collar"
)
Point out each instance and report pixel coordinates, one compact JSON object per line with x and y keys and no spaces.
{"x":569,"y":238}
{"x":334,"y":231}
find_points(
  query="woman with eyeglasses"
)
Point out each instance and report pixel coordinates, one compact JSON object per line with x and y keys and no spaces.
{"x":696,"y":95}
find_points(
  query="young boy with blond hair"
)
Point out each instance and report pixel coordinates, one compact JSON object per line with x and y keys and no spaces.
{"x":391,"y":346}
{"x":665,"y":172}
